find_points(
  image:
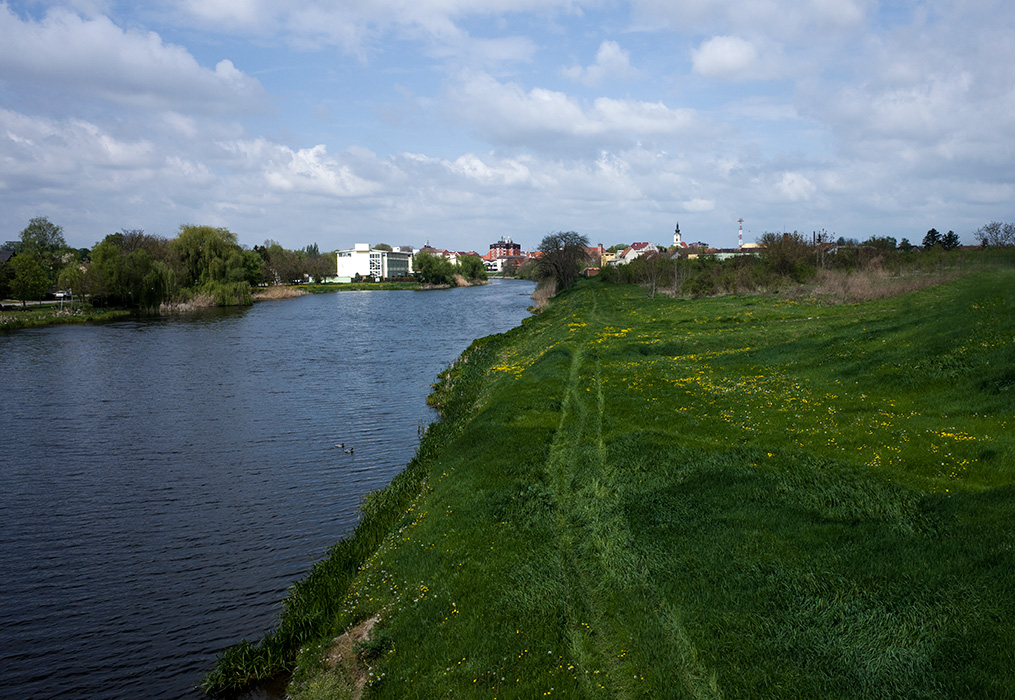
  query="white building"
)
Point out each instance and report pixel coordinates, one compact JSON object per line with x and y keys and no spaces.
{"x":635,"y":251}
{"x":379,"y":264}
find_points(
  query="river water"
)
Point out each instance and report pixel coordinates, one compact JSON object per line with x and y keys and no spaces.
{"x":162,"y":482}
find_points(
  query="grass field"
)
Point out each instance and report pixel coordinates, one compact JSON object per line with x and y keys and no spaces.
{"x":740,"y":497}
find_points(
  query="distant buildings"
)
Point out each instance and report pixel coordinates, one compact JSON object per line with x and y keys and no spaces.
{"x":504,"y":248}
{"x":361,"y":261}
{"x":504,"y":255}
{"x":633,"y":252}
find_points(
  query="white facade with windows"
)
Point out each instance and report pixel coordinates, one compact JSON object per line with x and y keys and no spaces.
{"x":379,"y":264}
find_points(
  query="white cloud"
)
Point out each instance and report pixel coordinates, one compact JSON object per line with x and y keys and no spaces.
{"x":36,"y":150}
{"x":612,"y":62}
{"x":807,"y":21}
{"x":94,"y":57}
{"x":359,"y":28}
{"x":246,"y":14}
{"x":506,"y":113}
{"x":509,"y":172}
{"x":309,"y":171}
{"x":699,"y":205}
{"x":726,"y":58}
{"x":794,"y":187}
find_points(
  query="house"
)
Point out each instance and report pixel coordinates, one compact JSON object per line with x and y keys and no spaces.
{"x":633,"y":252}
{"x":449,"y":255}
{"x":363,"y":262}
{"x":505,"y":264}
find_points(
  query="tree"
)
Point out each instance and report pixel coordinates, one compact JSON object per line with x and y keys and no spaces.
{"x":905,"y":245}
{"x":208,"y":255}
{"x":932,"y":239}
{"x":319,"y":266}
{"x":471,"y":267}
{"x":43,"y":240}
{"x":950,"y":241}
{"x":563,"y":255}
{"x":29,"y":280}
{"x":787,"y":254}
{"x":649,"y":269}
{"x":382,"y":246}
{"x":432,"y":269}
{"x":124,"y":272}
{"x":996,"y":234}
{"x":881,"y":242}
{"x":71,"y":278}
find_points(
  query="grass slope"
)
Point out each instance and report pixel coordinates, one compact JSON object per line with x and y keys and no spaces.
{"x":724,"y":498}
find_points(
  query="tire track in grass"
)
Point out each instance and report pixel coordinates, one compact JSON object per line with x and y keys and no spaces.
{"x":629,"y":641}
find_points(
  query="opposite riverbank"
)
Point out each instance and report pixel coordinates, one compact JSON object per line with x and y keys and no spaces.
{"x":14,"y":316}
{"x":740,"y":496}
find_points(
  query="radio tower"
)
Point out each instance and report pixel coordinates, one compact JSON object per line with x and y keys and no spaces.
{"x":740,"y":238}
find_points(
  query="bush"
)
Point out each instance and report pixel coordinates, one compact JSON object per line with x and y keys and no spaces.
{"x":788,"y":255}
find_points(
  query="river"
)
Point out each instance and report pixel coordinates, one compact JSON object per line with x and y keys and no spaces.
{"x":163,"y":481}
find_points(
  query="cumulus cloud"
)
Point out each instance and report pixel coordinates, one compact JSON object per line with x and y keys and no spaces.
{"x":45,"y":153}
{"x":794,"y":187}
{"x":612,"y":62}
{"x":94,"y":57}
{"x":309,"y":171}
{"x":507,"y":113}
{"x":726,"y":58}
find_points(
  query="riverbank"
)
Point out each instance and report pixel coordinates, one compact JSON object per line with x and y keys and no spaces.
{"x":385,"y":286}
{"x":740,"y":496}
{"x":36,"y":316}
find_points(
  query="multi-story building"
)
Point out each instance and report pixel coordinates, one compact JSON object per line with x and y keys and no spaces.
{"x":504,"y":248}
{"x":379,"y":264}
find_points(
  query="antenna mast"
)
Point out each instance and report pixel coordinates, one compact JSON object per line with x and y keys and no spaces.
{"x":740,"y":237}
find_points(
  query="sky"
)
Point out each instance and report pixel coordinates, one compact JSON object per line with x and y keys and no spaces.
{"x":457,"y":122}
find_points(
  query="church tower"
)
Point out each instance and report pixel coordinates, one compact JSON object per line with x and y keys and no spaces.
{"x":676,"y":236}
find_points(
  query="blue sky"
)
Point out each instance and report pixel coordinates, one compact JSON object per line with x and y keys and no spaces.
{"x":461,"y":121}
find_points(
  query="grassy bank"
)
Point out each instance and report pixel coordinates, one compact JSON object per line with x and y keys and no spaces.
{"x":745,"y":497}
{"x":51,"y":314}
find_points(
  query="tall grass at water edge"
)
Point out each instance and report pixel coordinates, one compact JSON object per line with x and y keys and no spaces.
{"x":744,"y":497}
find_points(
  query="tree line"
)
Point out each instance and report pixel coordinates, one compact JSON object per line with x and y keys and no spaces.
{"x":792,"y":258}
{"x":141,"y":270}
{"x":438,"y":271}
{"x":782,"y":258}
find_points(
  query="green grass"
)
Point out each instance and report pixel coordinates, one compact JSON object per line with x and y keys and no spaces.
{"x":52,"y":314}
{"x":740,"y":497}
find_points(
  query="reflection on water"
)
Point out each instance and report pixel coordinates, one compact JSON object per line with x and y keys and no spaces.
{"x":162,"y":482}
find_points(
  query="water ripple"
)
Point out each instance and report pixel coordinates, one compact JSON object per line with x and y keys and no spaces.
{"x":163,"y":482}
